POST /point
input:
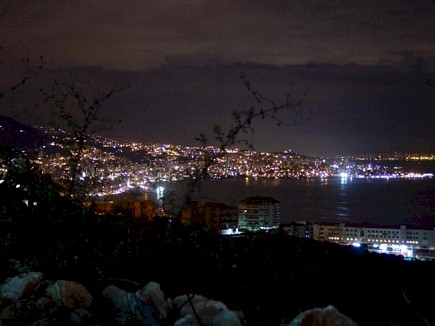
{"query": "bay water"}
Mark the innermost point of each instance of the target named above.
(376, 201)
(334, 199)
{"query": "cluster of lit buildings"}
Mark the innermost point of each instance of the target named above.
(262, 214)
(397, 239)
(252, 214)
(370, 170)
(396, 156)
(115, 167)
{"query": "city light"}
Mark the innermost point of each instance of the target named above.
(168, 163)
(160, 192)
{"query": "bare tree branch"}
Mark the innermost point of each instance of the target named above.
(264, 109)
(82, 116)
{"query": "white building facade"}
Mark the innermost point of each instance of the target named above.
(396, 239)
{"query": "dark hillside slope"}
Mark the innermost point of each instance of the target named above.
(20, 136)
(270, 278)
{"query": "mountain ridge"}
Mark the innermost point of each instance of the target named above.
(20, 136)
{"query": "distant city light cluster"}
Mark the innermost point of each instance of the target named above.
(116, 167)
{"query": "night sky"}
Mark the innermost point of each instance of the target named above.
(368, 66)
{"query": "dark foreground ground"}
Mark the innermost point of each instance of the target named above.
(270, 278)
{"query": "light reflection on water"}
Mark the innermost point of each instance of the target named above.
(333, 199)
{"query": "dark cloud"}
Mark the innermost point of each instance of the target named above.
(137, 35)
(365, 63)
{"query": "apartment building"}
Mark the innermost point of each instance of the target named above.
(258, 213)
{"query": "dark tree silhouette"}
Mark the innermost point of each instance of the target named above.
(82, 115)
(262, 108)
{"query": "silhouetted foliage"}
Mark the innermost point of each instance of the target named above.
(262, 108)
(82, 115)
(27, 196)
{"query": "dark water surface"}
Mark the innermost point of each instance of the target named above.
(377, 201)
